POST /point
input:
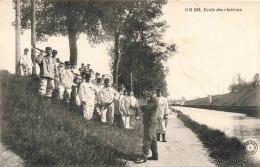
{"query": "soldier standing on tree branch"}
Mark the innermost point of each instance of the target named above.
(149, 137)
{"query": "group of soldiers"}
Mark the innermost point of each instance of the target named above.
(95, 94)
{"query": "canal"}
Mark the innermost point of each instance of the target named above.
(232, 124)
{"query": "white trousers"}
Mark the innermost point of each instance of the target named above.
(107, 115)
(78, 101)
(160, 126)
(46, 86)
(126, 120)
(98, 110)
(88, 111)
(62, 90)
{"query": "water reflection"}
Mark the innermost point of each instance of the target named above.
(233, 124)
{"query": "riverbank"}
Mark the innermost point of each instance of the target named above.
(246, 102)
(227, 151)
(45, 131)
(247, 97)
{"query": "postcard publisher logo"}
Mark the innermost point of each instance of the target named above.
(250, 147)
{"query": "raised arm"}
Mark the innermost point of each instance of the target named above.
(39, 58)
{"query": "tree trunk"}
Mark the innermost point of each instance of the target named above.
(116, 59)
(33, 36)
(72, 32)
(73, 47)
(131, 81)
(17, 33)
(140, 90)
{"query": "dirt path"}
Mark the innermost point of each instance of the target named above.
(182, 149)
(8, 158)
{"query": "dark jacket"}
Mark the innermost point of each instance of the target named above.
(47, 66)
(149, 111)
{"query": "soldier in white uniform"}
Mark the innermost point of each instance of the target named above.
(106, 98)
(99, 86)
(65, 81)
(25, 63)
(161, 115)
(87, 92)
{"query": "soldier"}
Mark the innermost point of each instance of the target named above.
(97, 76)
(48, 71)
(81, 69)
(54, 54)
(134, 109)
(103, 78)
(99, 87)
(124, 108)
(65, 81)
(92, 73)
(161, 115)
(87, 92)
(56, 78)
(25, 63)
(149, 137)
(106, 98)
(75, 89)
(119, 109)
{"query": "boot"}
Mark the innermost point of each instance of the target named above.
(153, 157)
(164, 139)
(142, 159)
(158, 136)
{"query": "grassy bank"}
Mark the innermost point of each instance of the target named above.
(49, 132)
(227, 151)
(247, 97)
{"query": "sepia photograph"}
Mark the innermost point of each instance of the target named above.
(129, 83)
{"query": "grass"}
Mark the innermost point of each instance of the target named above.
(49, 132)
(247, 97)
(227, 151)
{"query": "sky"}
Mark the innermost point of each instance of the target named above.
(212, 46)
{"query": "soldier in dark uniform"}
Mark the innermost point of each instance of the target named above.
(149, 121)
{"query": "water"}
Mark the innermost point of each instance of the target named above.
(232, 124)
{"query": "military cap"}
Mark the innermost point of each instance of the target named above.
(61, 64)
(48, 48)
(54, 51)
(67, 63)
(87, 76)
(99, 80)
(106, 80)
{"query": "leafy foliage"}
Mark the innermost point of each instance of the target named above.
(66, 18)
(141, 48)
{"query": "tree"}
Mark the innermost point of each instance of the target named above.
(67, 18)
(114, 18)
(143, 48)
(133, 25)
(17, 34)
